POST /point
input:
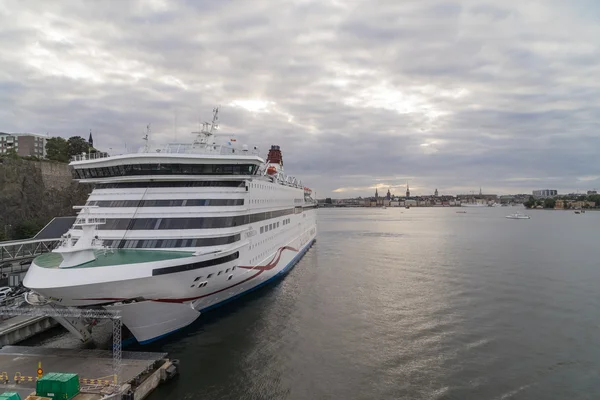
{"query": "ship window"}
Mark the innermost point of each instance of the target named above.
(191, 223)
(230, 276)
(220, 272)
(209, 276)
(234, 267)
(262, 228)
(227, 270)
(143, 185)
(197, 279)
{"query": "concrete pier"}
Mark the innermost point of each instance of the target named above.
(16, 329)
(141, 371)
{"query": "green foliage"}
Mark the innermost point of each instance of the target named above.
(595, 198)
(27, 229)
(549, 203)
(57, 149)
(530, 203)
(11, 153)
(77, 145)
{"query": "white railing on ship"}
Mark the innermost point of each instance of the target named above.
(90, 156)
(178, 149)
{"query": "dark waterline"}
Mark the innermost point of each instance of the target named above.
(411, 304)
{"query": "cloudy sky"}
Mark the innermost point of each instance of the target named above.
(451, 95)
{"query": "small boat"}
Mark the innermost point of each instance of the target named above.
(577, 212)
(384, 207)
(518, 216)
(461, 212)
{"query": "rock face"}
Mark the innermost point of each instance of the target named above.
(37, 191)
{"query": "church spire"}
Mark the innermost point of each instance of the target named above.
(407, 191)
(376, 194)
(91, 140)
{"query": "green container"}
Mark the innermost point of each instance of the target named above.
(10, 396)
(56, 385)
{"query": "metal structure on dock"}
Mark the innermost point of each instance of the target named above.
(23, 249)
(72, 312)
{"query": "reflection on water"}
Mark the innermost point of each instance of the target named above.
(418, 304)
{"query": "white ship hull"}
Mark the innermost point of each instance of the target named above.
(170, 302)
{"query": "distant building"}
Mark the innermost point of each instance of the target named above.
(25, 144)
(545, 193)
(435, 193)
(590, 192)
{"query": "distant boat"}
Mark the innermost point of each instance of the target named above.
(518, 216)
(461, 212)
(407, 207)
(577, 212)
(473, 205)
(384, 207)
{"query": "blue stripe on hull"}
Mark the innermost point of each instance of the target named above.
(280, 274)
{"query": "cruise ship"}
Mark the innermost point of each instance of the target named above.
(172, 231)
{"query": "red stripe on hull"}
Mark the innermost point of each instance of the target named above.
(260, 269)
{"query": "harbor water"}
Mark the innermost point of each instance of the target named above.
(425, 303)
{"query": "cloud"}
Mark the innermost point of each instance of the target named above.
(448, 95)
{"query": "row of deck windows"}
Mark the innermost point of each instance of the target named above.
(170, 243)
(167, 203)
(190, 223)
(269, 227)
(168, 184)
(164, 169)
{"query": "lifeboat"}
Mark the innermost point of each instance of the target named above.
(271, 170)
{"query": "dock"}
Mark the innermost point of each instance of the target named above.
(16, 329)
(141, 372)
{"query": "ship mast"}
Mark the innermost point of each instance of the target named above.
(207, 129)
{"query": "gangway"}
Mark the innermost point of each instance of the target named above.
(22, 249)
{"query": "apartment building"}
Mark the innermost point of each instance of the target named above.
(25, 144)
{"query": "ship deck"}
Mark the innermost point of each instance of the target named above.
(114, 257)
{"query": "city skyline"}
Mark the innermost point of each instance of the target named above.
(447, 95)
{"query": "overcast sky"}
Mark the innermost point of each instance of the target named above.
(451, 95)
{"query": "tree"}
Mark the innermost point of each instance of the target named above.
(11, 153)
(530, 203)
(56, 149)
(27, 229)
(549, 203)
(77, 145)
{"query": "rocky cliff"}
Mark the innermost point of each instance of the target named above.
(37, 191)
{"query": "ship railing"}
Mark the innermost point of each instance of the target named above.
(90, 156)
